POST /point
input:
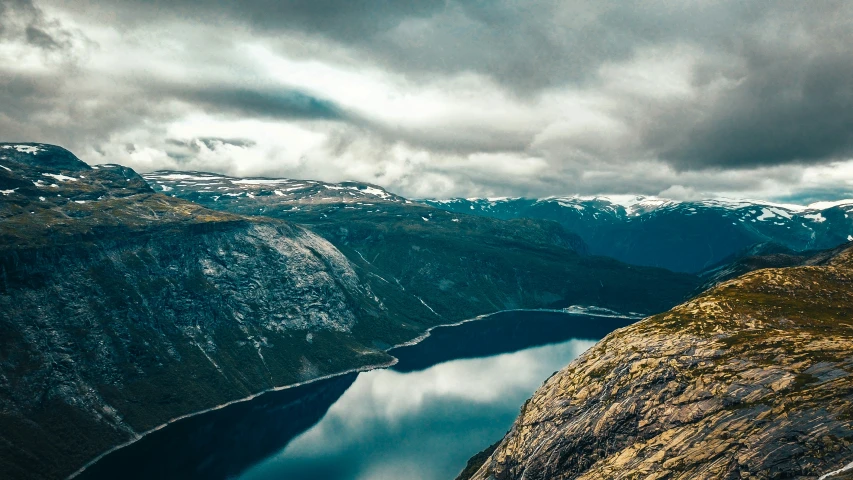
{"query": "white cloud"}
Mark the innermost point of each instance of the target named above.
(606, 115)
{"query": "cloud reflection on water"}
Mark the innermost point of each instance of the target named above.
(420, 425)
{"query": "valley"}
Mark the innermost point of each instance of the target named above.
(131, 301)
(443, 397)
(125, 308)
(432, 240)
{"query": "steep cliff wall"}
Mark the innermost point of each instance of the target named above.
(122, 308)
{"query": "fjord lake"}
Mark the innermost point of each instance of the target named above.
(448, 397)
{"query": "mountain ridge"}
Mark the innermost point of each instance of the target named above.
(361, 223)
(123, 308)
(647, 203)
(679, 236)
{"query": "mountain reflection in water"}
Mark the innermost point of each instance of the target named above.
(451, 395)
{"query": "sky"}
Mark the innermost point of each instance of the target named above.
(447, 98)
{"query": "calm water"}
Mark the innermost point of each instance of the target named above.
(450, 396)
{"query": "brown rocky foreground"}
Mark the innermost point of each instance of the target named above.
(750, 380)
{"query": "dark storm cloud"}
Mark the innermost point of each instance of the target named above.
(37, 36)
(520, 44)
(52, 107)
(30, 96)
(798, 112)
(22, 20)
(350, 20)
(526, 45)
(793, 101)
(277, 103)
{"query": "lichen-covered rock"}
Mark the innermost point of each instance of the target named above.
(753, 379)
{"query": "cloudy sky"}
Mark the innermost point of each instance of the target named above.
(446, 98)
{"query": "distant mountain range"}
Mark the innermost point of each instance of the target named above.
(679, 236)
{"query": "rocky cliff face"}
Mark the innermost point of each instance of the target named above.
(122, 308)
(753, 379)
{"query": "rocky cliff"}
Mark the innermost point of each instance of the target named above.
(123, 308)
(752, 379)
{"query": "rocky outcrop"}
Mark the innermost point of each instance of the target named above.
(753, 379)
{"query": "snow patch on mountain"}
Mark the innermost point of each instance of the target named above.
(275, 190)
(768, 213)
(61, 178)
(640, 204)
(31, 149)
(817, 217)
(826, 205)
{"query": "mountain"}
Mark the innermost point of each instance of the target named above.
(124, 307)
(762, 255)
(752, 379)
(457, 265)
(679, 236)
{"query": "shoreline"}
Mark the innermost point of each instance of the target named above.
(140, 436)
(571, 310)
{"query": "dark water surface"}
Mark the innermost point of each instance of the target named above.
(450, 396)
